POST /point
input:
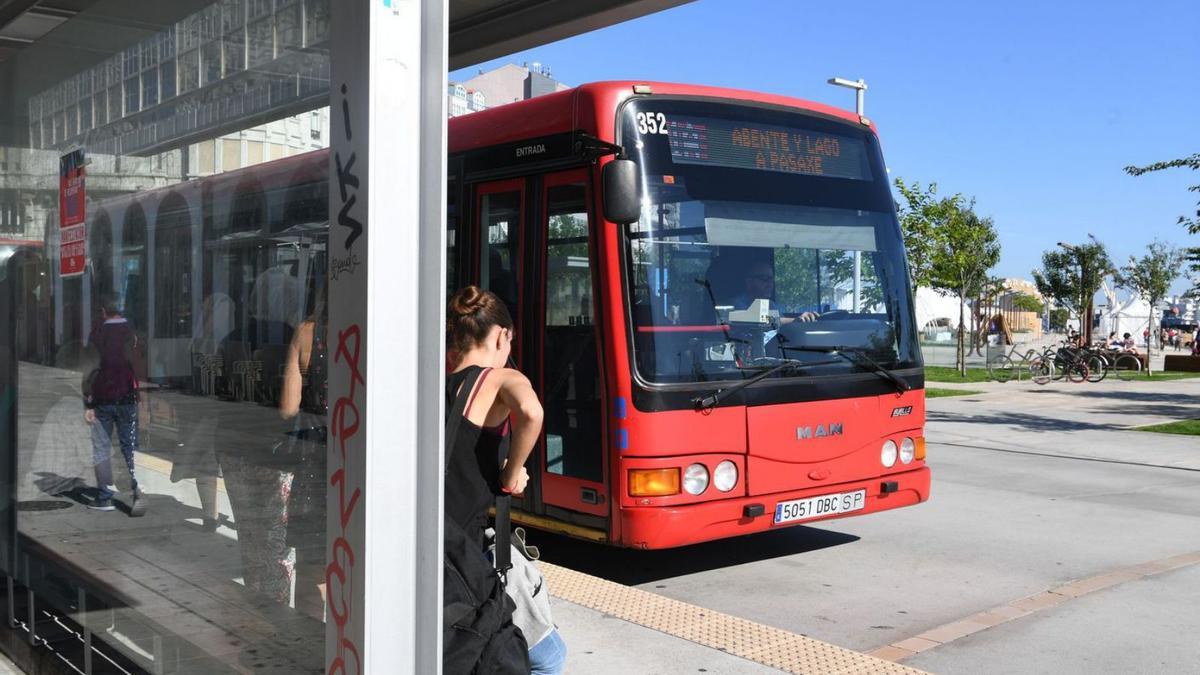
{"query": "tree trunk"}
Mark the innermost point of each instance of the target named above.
(961, 353)
(1150, 339)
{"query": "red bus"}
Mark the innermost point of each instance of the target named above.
(710, 288)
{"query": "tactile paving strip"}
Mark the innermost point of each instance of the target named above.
(772, 647)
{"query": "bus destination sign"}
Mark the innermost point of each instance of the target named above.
(765, 147)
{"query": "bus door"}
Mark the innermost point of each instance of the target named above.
(499, 262)
(571, 460)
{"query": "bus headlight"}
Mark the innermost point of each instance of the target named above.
(888, 455)
(908, 449)
(725, 476)
(695, 479)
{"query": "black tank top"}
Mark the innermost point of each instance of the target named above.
(473, 469)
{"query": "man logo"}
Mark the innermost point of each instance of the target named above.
(901, 412)
(822, 431)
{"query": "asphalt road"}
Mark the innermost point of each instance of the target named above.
(1033, 488)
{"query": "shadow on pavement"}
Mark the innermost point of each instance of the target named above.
(1021, 420)
(72, 488)
(1148, 396)
(629, 566)
(1174, 411)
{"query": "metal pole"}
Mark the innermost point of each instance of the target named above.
(87, 631)
(859, 96)
(858, 277)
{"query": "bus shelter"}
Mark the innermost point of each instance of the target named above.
(157, 177)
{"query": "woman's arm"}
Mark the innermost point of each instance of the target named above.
(293, 382)
(526, 413)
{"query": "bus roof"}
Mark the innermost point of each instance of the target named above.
(592, 107)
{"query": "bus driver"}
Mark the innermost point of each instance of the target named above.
(759, 283)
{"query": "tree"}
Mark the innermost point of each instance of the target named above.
(1150, 277)
(1059, 316)
(838, 266)
(967, 246)
(1071, 278)
(1024, 302)
(1192, 254)
(923, 216)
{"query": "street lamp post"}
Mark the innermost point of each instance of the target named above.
(1085, 328)
(860, 87)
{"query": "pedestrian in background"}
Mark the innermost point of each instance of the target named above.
(110, 396)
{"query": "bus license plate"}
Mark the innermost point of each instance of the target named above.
(815, 507)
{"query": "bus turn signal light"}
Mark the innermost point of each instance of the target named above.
(653, 482)
(920, 453)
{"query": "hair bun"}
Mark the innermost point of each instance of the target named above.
(468, 301)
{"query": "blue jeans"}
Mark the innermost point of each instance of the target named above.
(548, 656)
(125, 419)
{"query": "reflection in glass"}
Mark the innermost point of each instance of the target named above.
(212, 258)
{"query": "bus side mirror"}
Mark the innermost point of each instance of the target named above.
(622, 191)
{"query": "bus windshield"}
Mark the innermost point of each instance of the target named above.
(765, 235)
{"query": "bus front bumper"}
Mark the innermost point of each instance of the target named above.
(670, 526)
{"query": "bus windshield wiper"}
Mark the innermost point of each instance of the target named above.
(710, 401)
(857, 356)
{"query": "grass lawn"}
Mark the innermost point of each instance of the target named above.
(1185, 427)
(947, 374)
(1162, 376)
(934, 392)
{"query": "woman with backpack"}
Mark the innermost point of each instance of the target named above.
(495, 434)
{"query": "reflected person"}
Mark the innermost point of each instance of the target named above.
(110, 395)
(196, 459)
(304, 400)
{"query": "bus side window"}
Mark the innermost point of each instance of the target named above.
(571, 380)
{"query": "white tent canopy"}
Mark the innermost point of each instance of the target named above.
(935, 312)
(1131, 316)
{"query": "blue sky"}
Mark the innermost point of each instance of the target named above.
(1033, 108)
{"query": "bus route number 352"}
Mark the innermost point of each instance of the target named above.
(824, 505)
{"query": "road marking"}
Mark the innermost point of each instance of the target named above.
(936, 637)
(766, 645)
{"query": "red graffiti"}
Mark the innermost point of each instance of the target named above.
(344, 424)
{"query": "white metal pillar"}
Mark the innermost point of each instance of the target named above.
(386, 319)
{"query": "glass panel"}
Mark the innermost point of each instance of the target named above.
(150, 88)
(570, 366)
(210, 62)
(167, 328)
(262, 41)
(189, 71)
(500, 215)
(167, 78)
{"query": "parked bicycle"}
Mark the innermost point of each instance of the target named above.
(1002, 367)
